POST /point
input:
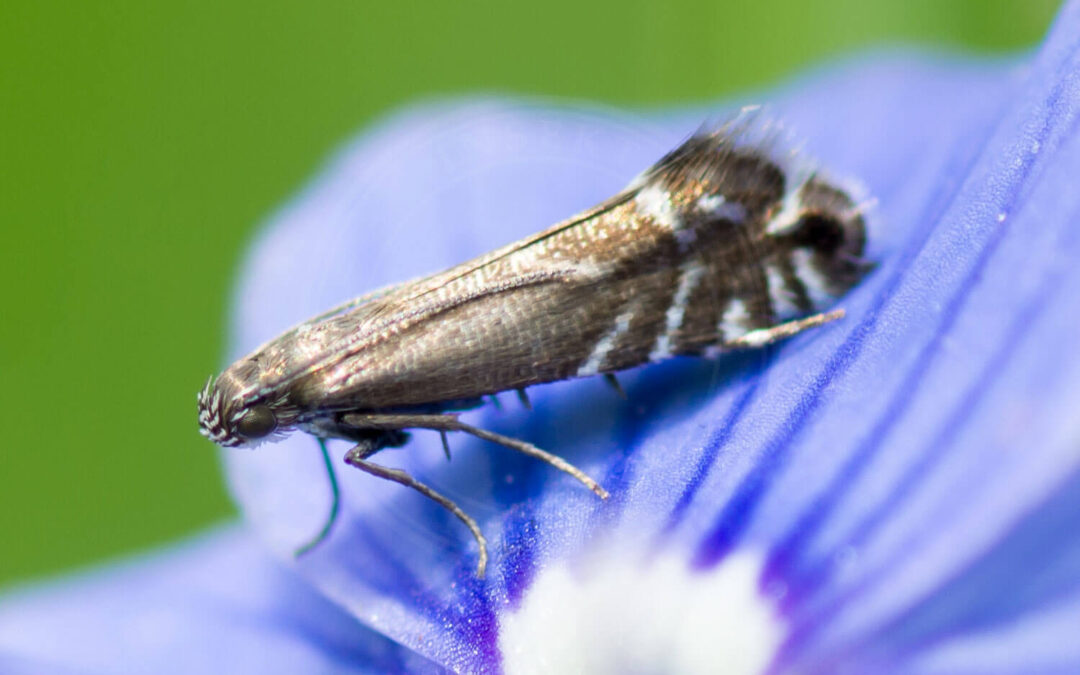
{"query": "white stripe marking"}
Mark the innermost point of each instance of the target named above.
(690, 275)
(654, 202)
(784, 305)
(711, 203)
(812, 279)
(790, 211)
(733, 323)
(718, 207)
(756, 338)
(600, 351)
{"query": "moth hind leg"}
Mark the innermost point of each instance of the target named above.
(450, 422)
(376, 424)
(358, 457)
(533, 451)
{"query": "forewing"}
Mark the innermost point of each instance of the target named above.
(651, 273)
(681, 261)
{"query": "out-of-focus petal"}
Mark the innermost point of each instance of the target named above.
(217, 604)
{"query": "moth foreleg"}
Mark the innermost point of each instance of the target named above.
(767, 336)
(449, 422)
(358, 457)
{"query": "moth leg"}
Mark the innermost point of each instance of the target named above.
(532, 451)
(767, 336)
(358, 457)
(614, 383)
(524, 398)
(445, 444)
(447, 422)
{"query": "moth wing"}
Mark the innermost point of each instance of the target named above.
(343, 331)
(678, 262)
(589, 295)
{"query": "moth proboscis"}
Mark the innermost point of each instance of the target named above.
(722, 244)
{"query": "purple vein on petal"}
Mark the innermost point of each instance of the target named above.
(778, 566)
(962, 604)
(522, 536)
(529, 477)
(737, 514)
(1011, 344)
(619, 475)
(936, 450)
(816, 515)
(520, 543)
(1019, 328)
(717, 440)
(518, 500)
(818, 577)
(905, 394)
(470, 619)
(1034, 543)
(616, 480)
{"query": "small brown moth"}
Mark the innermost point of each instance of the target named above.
(720, 245)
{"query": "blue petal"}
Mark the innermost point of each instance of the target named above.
(216, 604)
(893, 471)
(899, 490)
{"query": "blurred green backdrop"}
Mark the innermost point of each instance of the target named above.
(141, 143)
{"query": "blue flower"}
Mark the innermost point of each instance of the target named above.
(897, 490)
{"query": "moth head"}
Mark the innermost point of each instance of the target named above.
(824, 231)
(230, 422)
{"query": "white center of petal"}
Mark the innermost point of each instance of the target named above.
(627, 615)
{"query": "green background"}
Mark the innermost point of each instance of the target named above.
(141, 143)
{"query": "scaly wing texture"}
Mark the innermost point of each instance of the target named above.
(682, 261)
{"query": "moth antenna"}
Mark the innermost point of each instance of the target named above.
(357, 457)
(524, 398)
(614, 383)
(335, 505)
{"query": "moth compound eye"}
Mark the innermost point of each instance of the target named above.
(257, 422)
(831, 224)
(820, 233)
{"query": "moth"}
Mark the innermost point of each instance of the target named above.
(725, 243)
